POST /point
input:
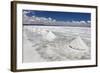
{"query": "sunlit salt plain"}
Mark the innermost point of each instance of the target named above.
(56, 43)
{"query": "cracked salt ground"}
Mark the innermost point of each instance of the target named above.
(59, 47)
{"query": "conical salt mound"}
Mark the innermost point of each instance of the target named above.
(50, 36)
(78, 44)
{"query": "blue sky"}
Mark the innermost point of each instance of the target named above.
(60, 16)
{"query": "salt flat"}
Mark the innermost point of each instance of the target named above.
(52, 43)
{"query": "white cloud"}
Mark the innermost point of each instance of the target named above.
(25, 12)
(89, 22)
(75, 22)
(83, 22)
(50, 19)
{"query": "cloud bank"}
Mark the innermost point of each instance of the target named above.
(50, 21)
